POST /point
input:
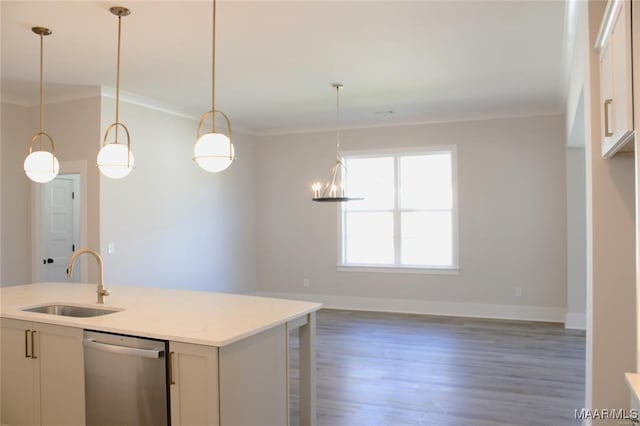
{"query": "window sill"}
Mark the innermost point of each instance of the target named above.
(448, 270)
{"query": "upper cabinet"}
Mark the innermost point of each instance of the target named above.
(616, 88)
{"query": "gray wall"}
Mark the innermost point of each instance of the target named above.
(16, 196)
(172, 224)
(576, 239)
(512, 197)
(74, 126)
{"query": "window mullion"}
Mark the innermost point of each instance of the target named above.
(396, 211)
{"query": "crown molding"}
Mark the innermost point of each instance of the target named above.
(84, 92)
(52, 96)
(551, 112)
(165, 107)
(147, 102)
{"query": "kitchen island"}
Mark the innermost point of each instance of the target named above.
(228, 359)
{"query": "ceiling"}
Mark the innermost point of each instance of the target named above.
(276, 60)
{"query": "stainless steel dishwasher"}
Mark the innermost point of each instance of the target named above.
(125, 380)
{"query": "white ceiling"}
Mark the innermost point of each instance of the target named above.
(276, 60)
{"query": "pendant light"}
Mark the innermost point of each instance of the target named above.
(213, 151)
(41, 166)
(115, 160)
(334, 188)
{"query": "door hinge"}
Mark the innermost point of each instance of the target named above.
(73, 195)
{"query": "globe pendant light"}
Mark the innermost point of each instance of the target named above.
(213, 151)
(115, 160)
(334, 188)
(41, 166)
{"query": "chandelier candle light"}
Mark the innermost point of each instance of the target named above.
(213, 151)
(41, 166)
(334, 189)
(115, 160)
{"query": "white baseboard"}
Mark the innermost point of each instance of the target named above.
(425, 307)
(575, 321)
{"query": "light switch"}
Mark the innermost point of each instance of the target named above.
(111, 248)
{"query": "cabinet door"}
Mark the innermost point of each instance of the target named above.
(253, 380)
(622, 86)
(18, 373)
(193, 378)
(61, 374)
(616, 80)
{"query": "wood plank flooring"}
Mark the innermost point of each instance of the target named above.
(393, 369)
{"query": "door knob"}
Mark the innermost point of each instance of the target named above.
(49, 260)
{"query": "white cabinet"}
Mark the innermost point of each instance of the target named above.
(42, 381)
(253, 380)
(193, 384)
(241, 384)
(616, 89)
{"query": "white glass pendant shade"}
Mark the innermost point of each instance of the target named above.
(213, 152)
(41, 166)
(112, 160)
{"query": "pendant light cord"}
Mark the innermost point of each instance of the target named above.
(118, 77)
(213, 67)
(41, 88)
(338, 121)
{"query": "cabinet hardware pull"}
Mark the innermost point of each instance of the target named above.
(123, 350)
(26, 343)
(33, 345)
(607, 102)
(171, 381)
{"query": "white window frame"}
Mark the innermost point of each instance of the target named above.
(398, 268)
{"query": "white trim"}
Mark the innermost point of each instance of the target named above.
(455, 222)
(69, 94)
(66, 167)
(608, 21)
(382, 152)
(549, 112)
(627, 137)
(37, 274)
(150, 103)
(429, 307)
(432, 270)
(575, 321)
(77, 223)
(154, 104)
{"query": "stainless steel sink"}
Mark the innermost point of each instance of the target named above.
(70, 310)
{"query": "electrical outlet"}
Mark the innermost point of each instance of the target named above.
(306, 282)
(518, 291)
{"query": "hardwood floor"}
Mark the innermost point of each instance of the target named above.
(393, 369)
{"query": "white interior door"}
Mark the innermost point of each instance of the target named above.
(59, 227)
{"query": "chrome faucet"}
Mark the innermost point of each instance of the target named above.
(101, 290)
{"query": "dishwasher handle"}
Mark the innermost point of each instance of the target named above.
(123, 350)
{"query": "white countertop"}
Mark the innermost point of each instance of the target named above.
(206, 318)
(633, 381)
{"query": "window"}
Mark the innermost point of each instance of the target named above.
(408, 218)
